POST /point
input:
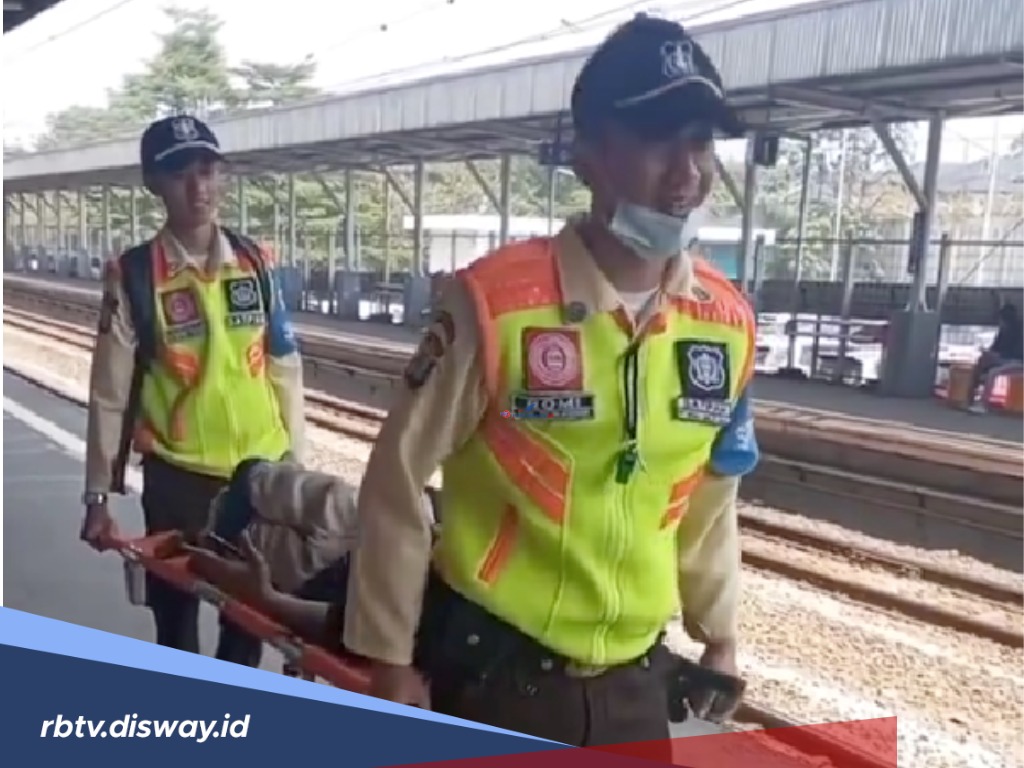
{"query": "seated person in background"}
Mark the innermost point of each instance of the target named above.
(279, 537)
(1004, 356)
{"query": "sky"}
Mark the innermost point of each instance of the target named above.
(68, 55)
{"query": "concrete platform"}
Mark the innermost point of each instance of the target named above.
(932, 415)
(47, 570)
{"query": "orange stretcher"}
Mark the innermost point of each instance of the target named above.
(163, 556)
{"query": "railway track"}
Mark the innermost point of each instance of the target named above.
(361, 422)
(984, 468)
(930, 489)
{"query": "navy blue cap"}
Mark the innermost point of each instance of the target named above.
(172, 142)
(651, 78)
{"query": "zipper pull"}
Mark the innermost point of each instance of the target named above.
(626, 464)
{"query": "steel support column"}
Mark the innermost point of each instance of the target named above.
(243, 207)
(912, 340)
(919, 292)
(133, 214)
(108, 244)
(332, 236)
(292, 214)
(744, 267)
(83, 233)
(22, 234)
(351, 253)
(58, 214)
(552, 184)
(9, 242)
(504, 197)
(41, 219)
(418, 180)
(801, 220)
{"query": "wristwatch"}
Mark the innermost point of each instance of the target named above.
(92, 498)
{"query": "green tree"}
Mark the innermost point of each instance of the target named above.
(190, 72)
(274, 84)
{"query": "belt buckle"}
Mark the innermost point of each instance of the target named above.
(572, 669)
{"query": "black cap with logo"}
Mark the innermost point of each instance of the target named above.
(173, 142)
(651, 78)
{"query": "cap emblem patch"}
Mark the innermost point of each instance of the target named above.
(677, 59)
(184, 129)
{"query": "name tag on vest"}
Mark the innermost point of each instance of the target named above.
(705, 382)
(553, 377)
(242, 295)
(553, 406)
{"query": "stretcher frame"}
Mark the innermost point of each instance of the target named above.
(161, 555)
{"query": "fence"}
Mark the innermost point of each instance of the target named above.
(971, 262)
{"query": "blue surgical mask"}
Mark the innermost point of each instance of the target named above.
(651, 234)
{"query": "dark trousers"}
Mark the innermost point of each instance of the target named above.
(482, 669)
(625, 705)
(175, 499)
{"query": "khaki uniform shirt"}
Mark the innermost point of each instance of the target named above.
(113, 362)
(430, 423)
(303, 521)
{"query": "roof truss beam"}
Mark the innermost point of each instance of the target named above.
(869, 107)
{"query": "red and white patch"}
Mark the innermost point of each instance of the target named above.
(554, 360)
(180, 307)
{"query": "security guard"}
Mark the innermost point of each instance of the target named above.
(195, 364)
(572, 390)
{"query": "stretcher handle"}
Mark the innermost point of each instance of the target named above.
(161, 555)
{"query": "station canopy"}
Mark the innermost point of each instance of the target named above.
(17, 12)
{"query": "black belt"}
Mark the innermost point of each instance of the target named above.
(459, 635)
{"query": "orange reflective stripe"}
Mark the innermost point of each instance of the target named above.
(490, 346)
(184, 365)
(501, 547)
(519, 276)
(177, 416)
(161, 269)
(530, 466)
(679, 499)
(255, 357)
(513, 278)
(162, 265)
(186, 368)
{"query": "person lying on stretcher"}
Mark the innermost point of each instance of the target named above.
(279, 537)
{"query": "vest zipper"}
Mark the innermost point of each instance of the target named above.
(629, 456)
(626, 465)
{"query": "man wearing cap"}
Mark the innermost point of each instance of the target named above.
(585, 396)
(195, 366)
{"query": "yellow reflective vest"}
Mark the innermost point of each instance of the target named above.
(561, 511)
(206, 402)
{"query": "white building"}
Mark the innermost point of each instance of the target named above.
(452, 242)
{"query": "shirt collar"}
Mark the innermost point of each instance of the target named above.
(586, 289)
(178, 258)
